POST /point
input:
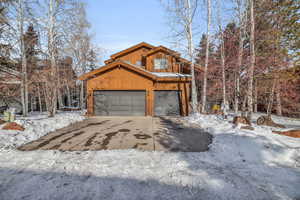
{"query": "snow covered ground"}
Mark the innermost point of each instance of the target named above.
(241, 164)
(36, 126)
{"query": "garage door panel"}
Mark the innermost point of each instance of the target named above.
(167, 103)
(119, 103)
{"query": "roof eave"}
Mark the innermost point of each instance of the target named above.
(142, 44)
(118, 63)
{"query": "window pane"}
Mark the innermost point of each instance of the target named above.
(139, 63)
(160, 63)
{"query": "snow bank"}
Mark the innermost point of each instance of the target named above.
(268, 158)
(260, 146)
(36, 126)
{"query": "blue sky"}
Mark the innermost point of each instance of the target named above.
(119, 24)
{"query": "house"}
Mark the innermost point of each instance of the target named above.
(142, 80)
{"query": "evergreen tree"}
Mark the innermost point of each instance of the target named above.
(30, 42)
(91, 60)
(201, 49)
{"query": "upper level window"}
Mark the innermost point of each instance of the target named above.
(139, 63)
(160, 63)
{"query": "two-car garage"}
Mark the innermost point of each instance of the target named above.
(121, 89)
(133, 103)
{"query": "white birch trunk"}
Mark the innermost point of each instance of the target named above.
(32, 99)
(24, 87)
(237, 94)
(238, 73)
(278, 100)
(271, 99)
(68, 95)
(82, 95)
(206, 57)
(46, 98)
(252, 61)
(191, 54)
(244, 112)
(255, 96)
(222, 54)
(40, 99)
(53, 85)
(60, 98)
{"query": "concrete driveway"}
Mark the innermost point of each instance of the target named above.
(144, 133)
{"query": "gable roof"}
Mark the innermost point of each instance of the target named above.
(133, 48)
(137, 69)
(164, 49)
(118, 63)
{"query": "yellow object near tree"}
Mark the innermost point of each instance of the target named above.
(216, 107)
(8, 116)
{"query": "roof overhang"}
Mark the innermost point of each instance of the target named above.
(133, 48)
(133, 68)
(163, 49)
(110, 66)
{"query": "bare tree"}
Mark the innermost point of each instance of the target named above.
(221, 39)
(242, 32)
(24, 86)
(189, 34)
(80, 45)
(52, 83)
(206, 57)
(182, 15)
(252, 61)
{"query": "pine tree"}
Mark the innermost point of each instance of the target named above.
(201, 49)
(91, 60)
(30, 42)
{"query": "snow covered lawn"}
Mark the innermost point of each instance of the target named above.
(241, 164)
(36, 126)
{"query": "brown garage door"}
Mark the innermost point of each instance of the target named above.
(166, 103)
(119, 103)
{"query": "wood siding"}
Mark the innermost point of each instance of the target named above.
(121, 78)
(134, 57)
(173, 66)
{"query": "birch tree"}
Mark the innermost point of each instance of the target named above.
(182, 14)
(271, 98)
(18, 18)
(206, 57)
(53, 22)
(221, 39)
(19, 7)
(20, 4)
(278, 100)
(51, 85)
(242, 32)
(189, 35)
(79, 45)
(252, 61)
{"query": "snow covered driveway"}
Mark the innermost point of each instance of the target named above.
(106, 133)
(240, 164)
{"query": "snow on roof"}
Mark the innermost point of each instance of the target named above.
(168, 74)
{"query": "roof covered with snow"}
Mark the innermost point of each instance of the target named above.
(169, 74)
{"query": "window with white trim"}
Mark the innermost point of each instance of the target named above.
(160, 63)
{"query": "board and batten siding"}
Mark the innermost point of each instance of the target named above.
(120, 78)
